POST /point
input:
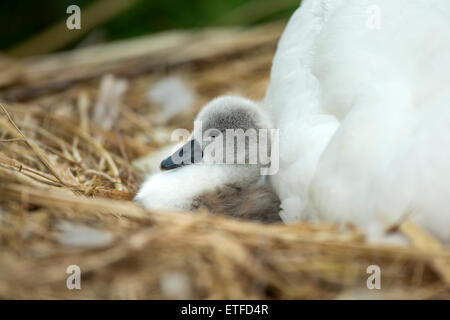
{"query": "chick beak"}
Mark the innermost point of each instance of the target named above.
(189, 153)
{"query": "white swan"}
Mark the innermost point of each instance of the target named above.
(360, 91)
(366, 110)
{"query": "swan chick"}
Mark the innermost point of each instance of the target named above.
(213, 171)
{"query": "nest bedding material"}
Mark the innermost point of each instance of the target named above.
(67, 178)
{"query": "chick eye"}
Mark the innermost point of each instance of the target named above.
(214, 134)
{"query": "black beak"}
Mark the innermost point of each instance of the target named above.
(190, 153)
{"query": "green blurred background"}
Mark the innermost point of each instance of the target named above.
(22, 20)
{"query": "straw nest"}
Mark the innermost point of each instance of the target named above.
(69, 169)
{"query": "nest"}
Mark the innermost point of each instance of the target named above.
(69, 170)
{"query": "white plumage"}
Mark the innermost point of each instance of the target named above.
(364, 113)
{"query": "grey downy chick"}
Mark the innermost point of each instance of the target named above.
(213, 170)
